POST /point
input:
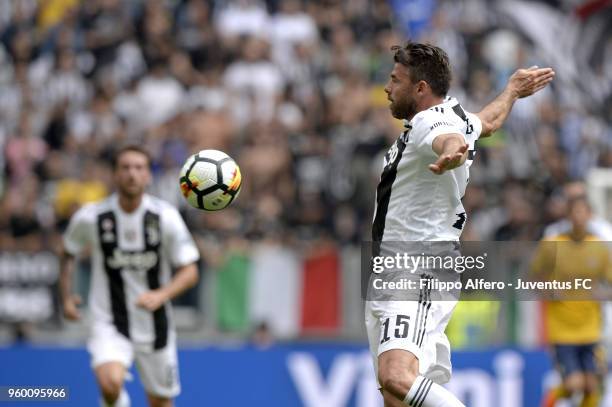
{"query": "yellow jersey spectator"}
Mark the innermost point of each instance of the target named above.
(574, 325)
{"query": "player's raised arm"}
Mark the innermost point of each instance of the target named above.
(522, 83)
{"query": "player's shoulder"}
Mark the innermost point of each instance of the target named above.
(441, 115)
(88, 212)
(161, 207)
(431, 115)
(427, 121)
(566, 237)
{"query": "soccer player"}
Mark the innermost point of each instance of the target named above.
(574, 327)
(135, 239)
(419, 199)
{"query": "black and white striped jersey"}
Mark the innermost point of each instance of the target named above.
(131, 253)
(412, 203)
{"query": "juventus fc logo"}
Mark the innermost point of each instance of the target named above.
(107, 235)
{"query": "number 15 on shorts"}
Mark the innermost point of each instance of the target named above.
(397, 326)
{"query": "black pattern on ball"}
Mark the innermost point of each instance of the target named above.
(219, 184)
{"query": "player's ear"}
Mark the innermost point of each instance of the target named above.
(422, 87)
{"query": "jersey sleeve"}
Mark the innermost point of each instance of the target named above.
(476, 125)
(180, 247)
(427, 126)
(80, 231)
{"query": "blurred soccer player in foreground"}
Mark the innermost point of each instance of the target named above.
(575, 327)
(134, 240)
(419, 199)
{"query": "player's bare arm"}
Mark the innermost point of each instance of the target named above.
(184, 278)
(452, 152)
(70, 301)
(522, 83)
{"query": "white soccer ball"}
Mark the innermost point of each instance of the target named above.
(210, 180)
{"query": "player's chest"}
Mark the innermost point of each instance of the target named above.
(400, 157)
(578, 261)
(127, 233)
(131, 235)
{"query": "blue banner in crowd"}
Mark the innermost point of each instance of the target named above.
(413, 16)
(313, 375)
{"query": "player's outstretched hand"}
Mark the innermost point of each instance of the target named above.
(71, 310)
(450, 161)
(151, 300)
(526, 82)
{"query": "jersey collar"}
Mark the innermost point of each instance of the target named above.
(137, 212)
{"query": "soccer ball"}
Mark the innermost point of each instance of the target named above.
(210, 180)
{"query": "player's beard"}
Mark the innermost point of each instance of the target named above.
(403, 109)
(131, 191)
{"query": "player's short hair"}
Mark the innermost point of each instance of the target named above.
(130, 148)
(426, 63)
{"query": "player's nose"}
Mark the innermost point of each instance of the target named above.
(133, 173)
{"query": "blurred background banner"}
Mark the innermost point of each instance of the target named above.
(311, 375)
(28, 287)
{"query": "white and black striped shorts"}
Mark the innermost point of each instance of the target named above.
(415, 326)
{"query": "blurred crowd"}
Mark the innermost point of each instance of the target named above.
(293, 90)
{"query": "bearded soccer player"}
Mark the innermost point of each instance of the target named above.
(418, 199)
(135, 240)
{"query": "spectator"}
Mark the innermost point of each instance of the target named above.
(254, 82)
(242, 18)
(159, 94)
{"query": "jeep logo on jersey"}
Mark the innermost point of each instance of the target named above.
(140, 261)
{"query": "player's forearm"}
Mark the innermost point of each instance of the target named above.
(65, 278)
(495, 113)
(185, 278)
(448, 144)
(451, 145)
